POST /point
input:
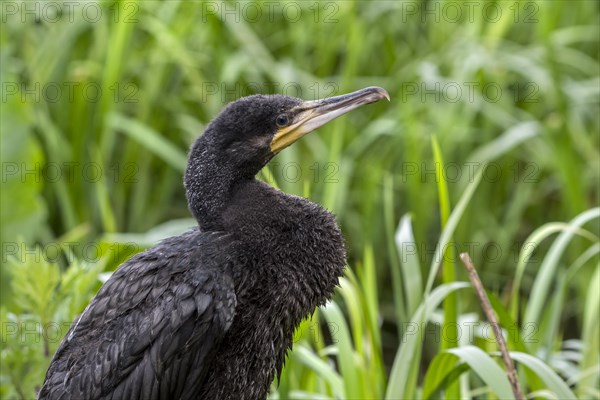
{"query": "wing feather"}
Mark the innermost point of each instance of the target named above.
(153, 328)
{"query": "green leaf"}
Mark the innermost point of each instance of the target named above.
(342, 338)
(408, 355)
(511, 138)
(527, 250)
(395, 253)
(411, 267)
(323, 369)
(453, 221)
(150, 139)
(479, 362)
(590, 334)
(547, 271)
(155, 235)
(23, 212)
(550, 378)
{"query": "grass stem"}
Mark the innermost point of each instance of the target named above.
(489, 313)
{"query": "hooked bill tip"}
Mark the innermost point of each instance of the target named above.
(381, 91)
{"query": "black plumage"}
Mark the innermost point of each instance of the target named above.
(210, 314)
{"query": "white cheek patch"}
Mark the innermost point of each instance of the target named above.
(253, 143)
(259, 142)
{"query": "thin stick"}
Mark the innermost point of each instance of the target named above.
(489, 313)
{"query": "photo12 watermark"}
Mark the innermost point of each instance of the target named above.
(467, 332)
(488, 252)
(294, 172)
(270, 11)
(50, 12)
(68, 172)
(453, 172)
(69, 92)
(68, 251)
(467, 92)
(455, 12)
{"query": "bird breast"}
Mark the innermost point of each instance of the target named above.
(293, 248)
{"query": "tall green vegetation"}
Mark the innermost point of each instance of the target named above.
(490, 145)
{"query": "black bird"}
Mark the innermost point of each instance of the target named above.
(210, 314)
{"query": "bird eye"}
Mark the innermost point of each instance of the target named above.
(282, 120)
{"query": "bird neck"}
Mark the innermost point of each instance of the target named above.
(209, 181)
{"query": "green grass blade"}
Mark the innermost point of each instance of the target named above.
(444, 367)
(527, 250)
(411, 267)
(323, 369)
(448, 265)
(372, 355)
(582, 260)
(395, 254)
(352, 299)
(109, 222)
(487, 369)
(115, 58)
(402, 381)
(590, 334)
(153, 236)
(479, 362)
(545, 276)
(550, 378)
(339, 331)
(513, 137)
(453, 221)
(403, 377)
(150, 139)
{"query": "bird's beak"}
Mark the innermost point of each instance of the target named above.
(310, 115)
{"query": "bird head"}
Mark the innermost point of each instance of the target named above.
(248, 133)
(252, 130)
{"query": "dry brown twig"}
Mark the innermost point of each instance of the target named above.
(489, 313)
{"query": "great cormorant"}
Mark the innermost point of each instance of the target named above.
(210, 314)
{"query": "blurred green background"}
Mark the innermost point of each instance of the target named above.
(489, 145)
